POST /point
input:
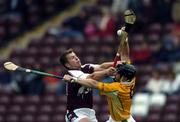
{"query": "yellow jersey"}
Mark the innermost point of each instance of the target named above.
(119, 97)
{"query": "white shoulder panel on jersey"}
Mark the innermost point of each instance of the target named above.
(78, 73)
(92, 65)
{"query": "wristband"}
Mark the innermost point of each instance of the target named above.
(73, 80)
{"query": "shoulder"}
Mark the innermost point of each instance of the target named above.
(88, 68)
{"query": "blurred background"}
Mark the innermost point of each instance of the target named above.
(33, 34)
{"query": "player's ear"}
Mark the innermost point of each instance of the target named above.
(67, 65)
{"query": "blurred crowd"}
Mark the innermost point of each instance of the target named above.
(154, 41)
(19, 16)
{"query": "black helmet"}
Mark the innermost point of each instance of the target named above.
(126, 70)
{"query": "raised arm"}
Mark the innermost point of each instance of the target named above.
(123, 49)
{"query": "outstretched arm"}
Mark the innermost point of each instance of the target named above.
(92, 79)
(85, 82)
(105, 87)
(99, 75)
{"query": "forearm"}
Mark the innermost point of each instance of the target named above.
(98, 75)
(103, 66)
(125, 51)
(87, 83)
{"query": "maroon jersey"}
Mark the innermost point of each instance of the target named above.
(79, 96)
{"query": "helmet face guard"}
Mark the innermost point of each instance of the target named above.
(126, 70)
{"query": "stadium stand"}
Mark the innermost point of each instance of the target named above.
(18, 16)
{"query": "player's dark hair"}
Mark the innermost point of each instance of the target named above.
(63, 58)
(126, 70)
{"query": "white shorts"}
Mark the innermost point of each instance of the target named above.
(79, 114)
(131, 119)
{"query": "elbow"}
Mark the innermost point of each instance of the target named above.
(93, 84)
(88, 83)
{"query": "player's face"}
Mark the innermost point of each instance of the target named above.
(119, 78)
(73, 61)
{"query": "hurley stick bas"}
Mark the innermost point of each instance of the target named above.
(13, 67)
